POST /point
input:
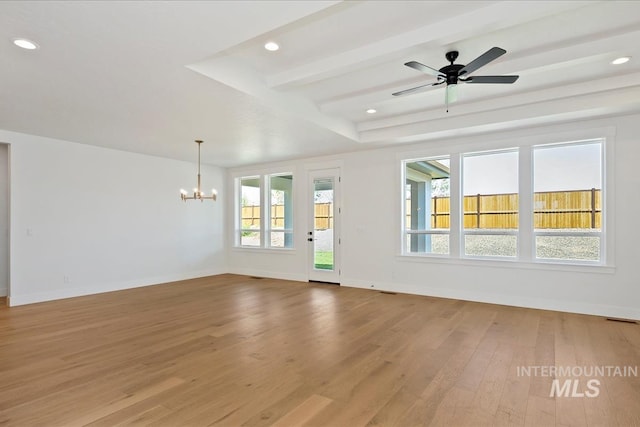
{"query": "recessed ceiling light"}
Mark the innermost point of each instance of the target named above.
(621, 60)
(25, 44)
(372, 111)
(271, 46)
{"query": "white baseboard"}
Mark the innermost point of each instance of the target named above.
(500, 299)
(465, 295)
(16, 300)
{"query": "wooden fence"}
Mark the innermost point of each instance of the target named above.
(554, 209)
(251, 216)
(323, 213)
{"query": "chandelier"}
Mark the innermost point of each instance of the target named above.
(198, 194)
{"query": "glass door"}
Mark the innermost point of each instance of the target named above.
(323, 238)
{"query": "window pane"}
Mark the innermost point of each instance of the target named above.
(567, 185)
(427, 204)
(490, 188)
(281, 213)
(323, 219)
(586, 248)
(250, 211)
(427, 243)
(250, 238)
(490, 245)
(568, 199)
(280, 239)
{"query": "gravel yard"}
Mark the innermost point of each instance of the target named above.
(547, 247)
(579, 248)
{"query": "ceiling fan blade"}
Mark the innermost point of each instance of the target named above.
(424, 69)
(491, 79)
(482, 60)
(416, 89)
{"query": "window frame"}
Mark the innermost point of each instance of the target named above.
(600, 234)
(240, 229)
(428, 231)
(526, 256)
(266, 218)
(269, 229)
(487, 231)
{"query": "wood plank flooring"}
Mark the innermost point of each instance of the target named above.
(238, 351)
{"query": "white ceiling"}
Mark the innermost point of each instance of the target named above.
(150, 77)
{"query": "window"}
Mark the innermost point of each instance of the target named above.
(266, 211)
(490, 204)
(426, 218)
(529, 203)
(567, 201)
(250, 211)
(281, 219)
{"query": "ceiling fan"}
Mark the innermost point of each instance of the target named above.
(452, 74)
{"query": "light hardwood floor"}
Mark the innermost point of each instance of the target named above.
(233, 350)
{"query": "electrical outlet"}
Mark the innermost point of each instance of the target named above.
(66, 279)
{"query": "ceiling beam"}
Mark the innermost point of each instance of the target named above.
(597, 104)
(495, 16)
(546, 58)
(247, 80)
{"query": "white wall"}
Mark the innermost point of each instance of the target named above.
(4, 219)
(87, 220)
(107, 220)
(371, 243)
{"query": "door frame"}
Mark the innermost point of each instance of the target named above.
(314, 274)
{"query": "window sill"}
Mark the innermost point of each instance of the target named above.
(510, 263)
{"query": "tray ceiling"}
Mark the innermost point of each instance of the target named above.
(150, 77)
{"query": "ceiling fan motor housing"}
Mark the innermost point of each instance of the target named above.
(451, 71)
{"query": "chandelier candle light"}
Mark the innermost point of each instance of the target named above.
(198, 194)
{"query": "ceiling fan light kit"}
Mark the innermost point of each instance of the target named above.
(198, 194)
(453, 74)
